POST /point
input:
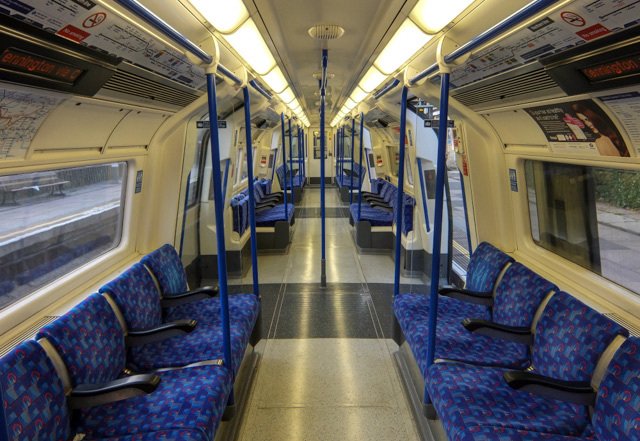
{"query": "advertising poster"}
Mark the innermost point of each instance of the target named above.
(579, 127)
(626, 107)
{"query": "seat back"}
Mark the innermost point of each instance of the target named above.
(166, 265)
(137, 296)
(35, 407)
(518, 296)
(617, 411)
(570, 337)
(486, 264)
(90, 341)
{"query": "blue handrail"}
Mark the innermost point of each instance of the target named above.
(219, 214)
(361, 152)
(386, 89)
(425, 208)
(227, 73)
(284, 167)
(437, 223)
(514, 19)
(400, 196)
(261, 90)
(323, 91)
(353, 141)
(290, 163)
(252, 198)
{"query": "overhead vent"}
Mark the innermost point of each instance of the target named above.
(509, 88)
(326, 32)
(378, 118)
(150, 90)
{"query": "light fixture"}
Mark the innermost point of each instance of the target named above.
(358, 95)
(248, 42)
(275, 80)
(372, 79)
(224, 15)
(287, 95)
(407, 40)
(350, 104)
(431, 16)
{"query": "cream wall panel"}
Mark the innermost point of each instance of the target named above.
(517, 127)
(136, 129)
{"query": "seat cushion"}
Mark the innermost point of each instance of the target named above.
(375, 216)
(268, 218)
(160, 435)
(203, 343)
(243, 311)
(467, 396)
(496, 433)
(191, 399)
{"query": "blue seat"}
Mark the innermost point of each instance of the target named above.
(166, 266)
(515, 303)
(91, 342)
(268, 217)
(298, 180)
(138, 299)
(568, 341)
(240, 213)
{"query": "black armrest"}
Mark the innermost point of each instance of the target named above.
(269, 198)
(261, 209)
(380, 204)
(490, 329)
(578, 392)
(383, 207)
(162, 332)
(90, 395)
(206, 292)
(465, 295)
(374, 198)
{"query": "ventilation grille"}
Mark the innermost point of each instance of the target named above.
(135, 85)
(508, 89)
(326, 32)
(633, 328)
(27, 334)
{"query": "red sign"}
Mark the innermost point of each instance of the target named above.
(72, 33)
(573, 19)
(613, 69)
(94, 20)
(22, 61)
(593, 32)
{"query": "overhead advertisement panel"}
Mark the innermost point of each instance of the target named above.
(573, 25)
(580, 127)
(21, 115)
(84, 22)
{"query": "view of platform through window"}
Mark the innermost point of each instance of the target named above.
(588, 215)
(54, 222)
(460, 246)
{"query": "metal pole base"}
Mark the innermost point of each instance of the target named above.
(323, 274)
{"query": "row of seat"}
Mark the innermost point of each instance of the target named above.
(517, 359)
(270, 207)
(298, 178)
(142, 359)
(378, 207)
(344, 178)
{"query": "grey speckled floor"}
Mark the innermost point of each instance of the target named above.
(326, 371)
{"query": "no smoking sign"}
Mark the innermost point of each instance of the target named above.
(94, 20)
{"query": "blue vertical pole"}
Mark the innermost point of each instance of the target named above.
(284, 163)
(437, 226)
(353, 149)
(252, 198)
(184, 213)
(325, 62)
(425, 207)
(219, 213)
(361, 168)
(291, 162)
(400, 199)
(466, 215)
(304, 155)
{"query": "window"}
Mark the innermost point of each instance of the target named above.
(54, 222)
(588, 215)
(460, 231)
(197, 169)
(407, 169)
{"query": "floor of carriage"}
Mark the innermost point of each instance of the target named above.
(326, 369)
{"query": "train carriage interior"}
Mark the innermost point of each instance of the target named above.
(320, 220)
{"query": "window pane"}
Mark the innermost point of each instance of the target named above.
(54, 222)
(197, 168)
(589, 216)
(460, 252)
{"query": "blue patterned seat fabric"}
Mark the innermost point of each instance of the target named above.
(485, 266)
(379, 217)
(298, 181)
(166, 266)
(569, 339)
(269, 217)
(344, 180)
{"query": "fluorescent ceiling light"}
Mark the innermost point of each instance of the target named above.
(407, 40)
(224, 15)
(372, 79)
(275, 80)
(432, 15)
(296, 109)
(358, 95)
(287, 96)
(248, 42)
(350, 104)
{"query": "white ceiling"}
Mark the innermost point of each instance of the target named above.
(368, 25)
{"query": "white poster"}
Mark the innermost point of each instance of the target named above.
(626, 107)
